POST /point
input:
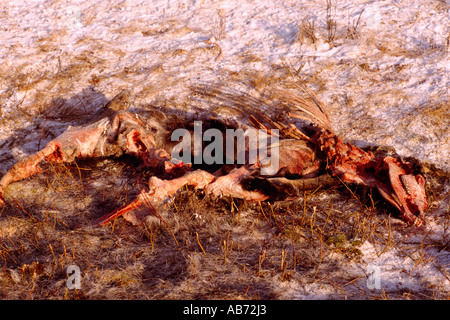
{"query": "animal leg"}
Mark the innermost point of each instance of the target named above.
(123, 133)
(394, 178)
(231, 185)
(296, 158)
(74, 142)
(159, 190)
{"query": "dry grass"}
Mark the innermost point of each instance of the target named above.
(332, 32)
(307, 31)
(198, 247)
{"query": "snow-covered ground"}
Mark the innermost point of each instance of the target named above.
(381, 68)
(384, 76)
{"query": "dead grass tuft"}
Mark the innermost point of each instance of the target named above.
(306, 31)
